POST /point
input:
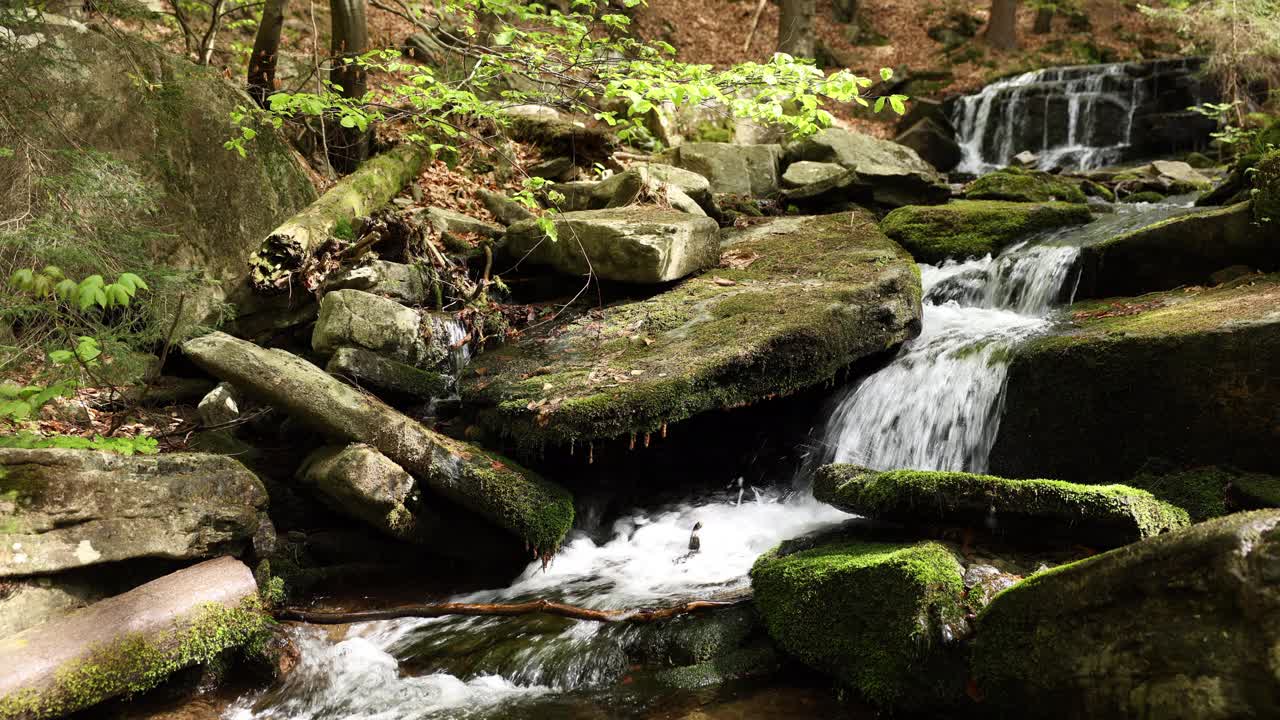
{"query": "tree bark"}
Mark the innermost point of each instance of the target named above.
(347, 147)
(266, 48)
(513, 498)
(373, 185)
(547, 607)
(795, 28)
(1044, 21)
(1002, 27)
(845, 11)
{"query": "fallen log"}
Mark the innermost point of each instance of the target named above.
(131, 642)
(544, 607)
(371, 186)
(538, 511)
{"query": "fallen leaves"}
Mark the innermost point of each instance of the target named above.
(1117, 309)
(738, 258)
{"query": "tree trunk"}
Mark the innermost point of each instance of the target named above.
(266, 47)
(1002, 27)
(1044, 21)
(795, 28)
(845, 11)
(347, 147)
(377, 181)
(535, 510)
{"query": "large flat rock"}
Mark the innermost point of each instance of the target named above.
(974, 228)
(795, 301)
(895, 174)
(1192, 376)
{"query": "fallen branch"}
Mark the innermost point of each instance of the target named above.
(533, 607)
(755, 22)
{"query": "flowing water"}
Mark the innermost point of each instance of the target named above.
(936, 405)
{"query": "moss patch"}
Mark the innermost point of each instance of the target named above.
(872, 615)
(973, 228)
(1040, 510)
(1022, 185)
(815, 295)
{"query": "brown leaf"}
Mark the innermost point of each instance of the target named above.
(724, 282)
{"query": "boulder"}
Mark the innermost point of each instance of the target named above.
(559, 135)
(506, 210)
(65, 509)
(974, 228)
(455, 223)
(831, 193)
(1021, 185)
(895, 173)
(632, 244)
(556, 168)
(1027, 511)
(933, 143)
(412, 284)
(354, 318)
(806, 172)
(681, 189)
(28, 602)
(1179, 626)
(368, 368)
(1179, 177)
(577, 195)
(1208, 491)
(1184, 250)
(362, 483)
(731, 168)
(220, 406)
(1186, 375)
(796, 301)
(130, 643)
(878, 617)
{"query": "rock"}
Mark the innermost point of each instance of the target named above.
(578, 195)
(921, 108)
(1200, 161)
(455, 223)
(875, 616)
(536, 511)
(380, 373)
(633, 244)
(27, 603)
(727, 338)
(131, 642)
(832, 193)
(974, 228)
(663, 182)
(1179, 176)
(68, 410)
(557, 135)
(1255, 490)
(1266, 183)
(220, 406)
(74, 508)
(732, 168)
(1185, 375)
(412, 284)
(1209, 491)
(1026, 159)
(1146, 196)
(805, 172)
(556, 168)
(506, 210)
(354, 318)
(1023, 186)
(933, 143)
(362, 483)
(983, 582)
(737, 665)
(895, 173)
(1178, 626)
(1184, 250)
(1035, 511)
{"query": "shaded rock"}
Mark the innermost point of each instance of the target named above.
(1146, 196)
(1266, 197)
(1021, 185)
(455, 223)
(921, 108)
(1189, 376)
(354, 318)
(983, 582)
(760, 659)
(131, 642)
(974, 228)
(1033, 511)
(27, 603)
(875, 616)
(73, 508)
(634, 244)
(506, 210)
(895, 173)
(805, 172)
(828, 194)
(726, 338)
(683, 190)
(412, 284)
(1185, 250)
(362, 483)
(933, 143)
(556, 168)
(577, 195)
(557, 134)
(1179, 626)
(732, 168)
(220, 406)
(378, 372)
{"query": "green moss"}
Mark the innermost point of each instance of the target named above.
(1256, 490)
(973, 228)
(1266, 184)
(1039, 510)
(1098, 190)
(1200, 161)
(1022, 185)
(137, 663)
(1202, 491)
(872, 615)
(1146, 196)
(736, 665)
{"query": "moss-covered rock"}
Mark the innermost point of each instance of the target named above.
(1201, 491)
(368, 369)
(973, 228)
(796, 301)
(1178, 626)
(1023, 185)
(1266, 195)
(1184, 250)
(1144, 196)
(1020, 510)
(1190, 376)
(873, 615)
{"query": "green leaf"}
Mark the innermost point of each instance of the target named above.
(133, 281)
(898, 103)
(880, 103)
(22, 279)
(15, 409)
(66, 289)
(548, 227)
(53, 271)
(61, 357)
(100, 297)
(886, 73)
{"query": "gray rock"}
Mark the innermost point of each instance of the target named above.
(577, 195)
(683, 190)
(354, 318)
(506, 210)
(1026, 159)
(807, 172)
(367, 368)
(983, 582)
(364, 484)
(448, 221)
(933, 143)
(896, 174)
(830, 191)
(70, 410)
(556, 168)
(732, 168)
(27, 603)
(1179, 175)
(63, 509)
(635, 244)
(405, 283)
(220, 406)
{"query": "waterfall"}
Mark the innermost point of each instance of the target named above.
(1079, 117)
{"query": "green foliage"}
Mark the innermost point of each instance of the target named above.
(27, 440)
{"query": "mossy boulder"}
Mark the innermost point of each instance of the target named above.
(875, 616)
(1192, 376)
(1208, 491)
(369, 369)
(355, 318)
(1034, 511)
(1022, 185)
(795, 301)
(974, 228)
(895, 174)
(1143, 196)
(1179, 626)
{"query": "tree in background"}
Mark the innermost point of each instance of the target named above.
(795, 28)
(1002, 26)
(348, 145)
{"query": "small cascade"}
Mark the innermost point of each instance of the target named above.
(1079, 117)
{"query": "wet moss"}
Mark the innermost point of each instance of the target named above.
(743, 663)
(1201, 491)
(1146, 196)
(1021, 185)
(974, 228)
(1256, 490)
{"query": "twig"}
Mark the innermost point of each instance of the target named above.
(533, 607)
(755, 21)
(148, 378)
